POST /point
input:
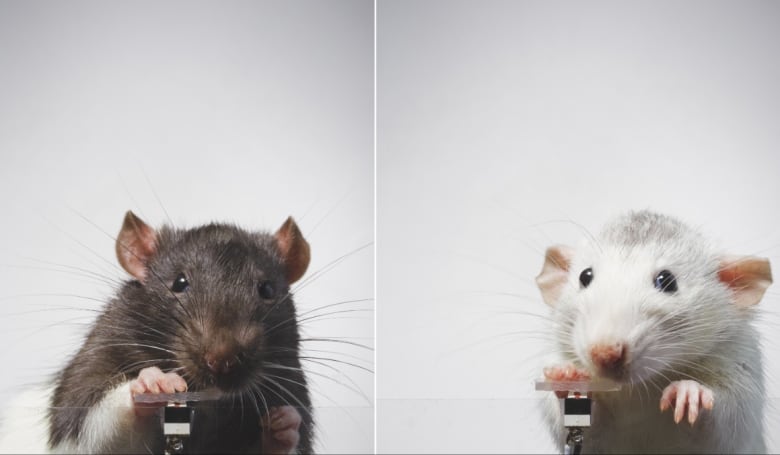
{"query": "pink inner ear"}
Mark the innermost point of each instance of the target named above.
(748, 278)
(555, 273)
(139, 254)
(294, 250)
(728, 276)
(135, 246)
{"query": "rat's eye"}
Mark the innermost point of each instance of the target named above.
(266, 290)
(586, 277)
(180, 284)
(666, 282)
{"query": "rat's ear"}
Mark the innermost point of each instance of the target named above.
(135, 245)
(294, 250)
(748, 277)
(555, 272)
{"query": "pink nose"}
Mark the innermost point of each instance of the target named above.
(608, 356)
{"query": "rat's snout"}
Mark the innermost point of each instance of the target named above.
(226, 355)
(221, 358)
(219, 362)
(609, 358)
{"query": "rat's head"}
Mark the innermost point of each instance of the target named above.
(648, 295)
(217, 297)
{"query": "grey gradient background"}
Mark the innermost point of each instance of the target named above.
(236, 111)
(504, 127)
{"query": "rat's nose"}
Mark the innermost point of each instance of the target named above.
(220, 361)
(608, 357)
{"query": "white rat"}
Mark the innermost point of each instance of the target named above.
(650, 304)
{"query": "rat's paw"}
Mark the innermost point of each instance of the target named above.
(565, 373)
(281, 434)
(686, 396)
(153, 380)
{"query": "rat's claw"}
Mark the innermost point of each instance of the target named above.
(565, 373)
(153, 380)
(282, 425)
(686, 396)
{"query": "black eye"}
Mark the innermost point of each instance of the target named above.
(586, 277)
(665, 282)
(180, 284)
(266, 290)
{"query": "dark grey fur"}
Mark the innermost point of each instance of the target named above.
(147, 325)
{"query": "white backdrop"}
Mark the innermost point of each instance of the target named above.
(502, 127)
(500, 123)
(230, 111)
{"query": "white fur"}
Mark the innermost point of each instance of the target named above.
(110, 426)
(695, 333)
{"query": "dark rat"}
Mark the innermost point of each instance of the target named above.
(652, 305)
(208, 307)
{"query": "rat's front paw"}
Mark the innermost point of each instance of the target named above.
(565, 373)
(153, 380)
(280, 427)
(686, 396)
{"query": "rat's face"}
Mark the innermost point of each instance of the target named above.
(220, 298)
(229, 302)
(646, 298)
(628, 313)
